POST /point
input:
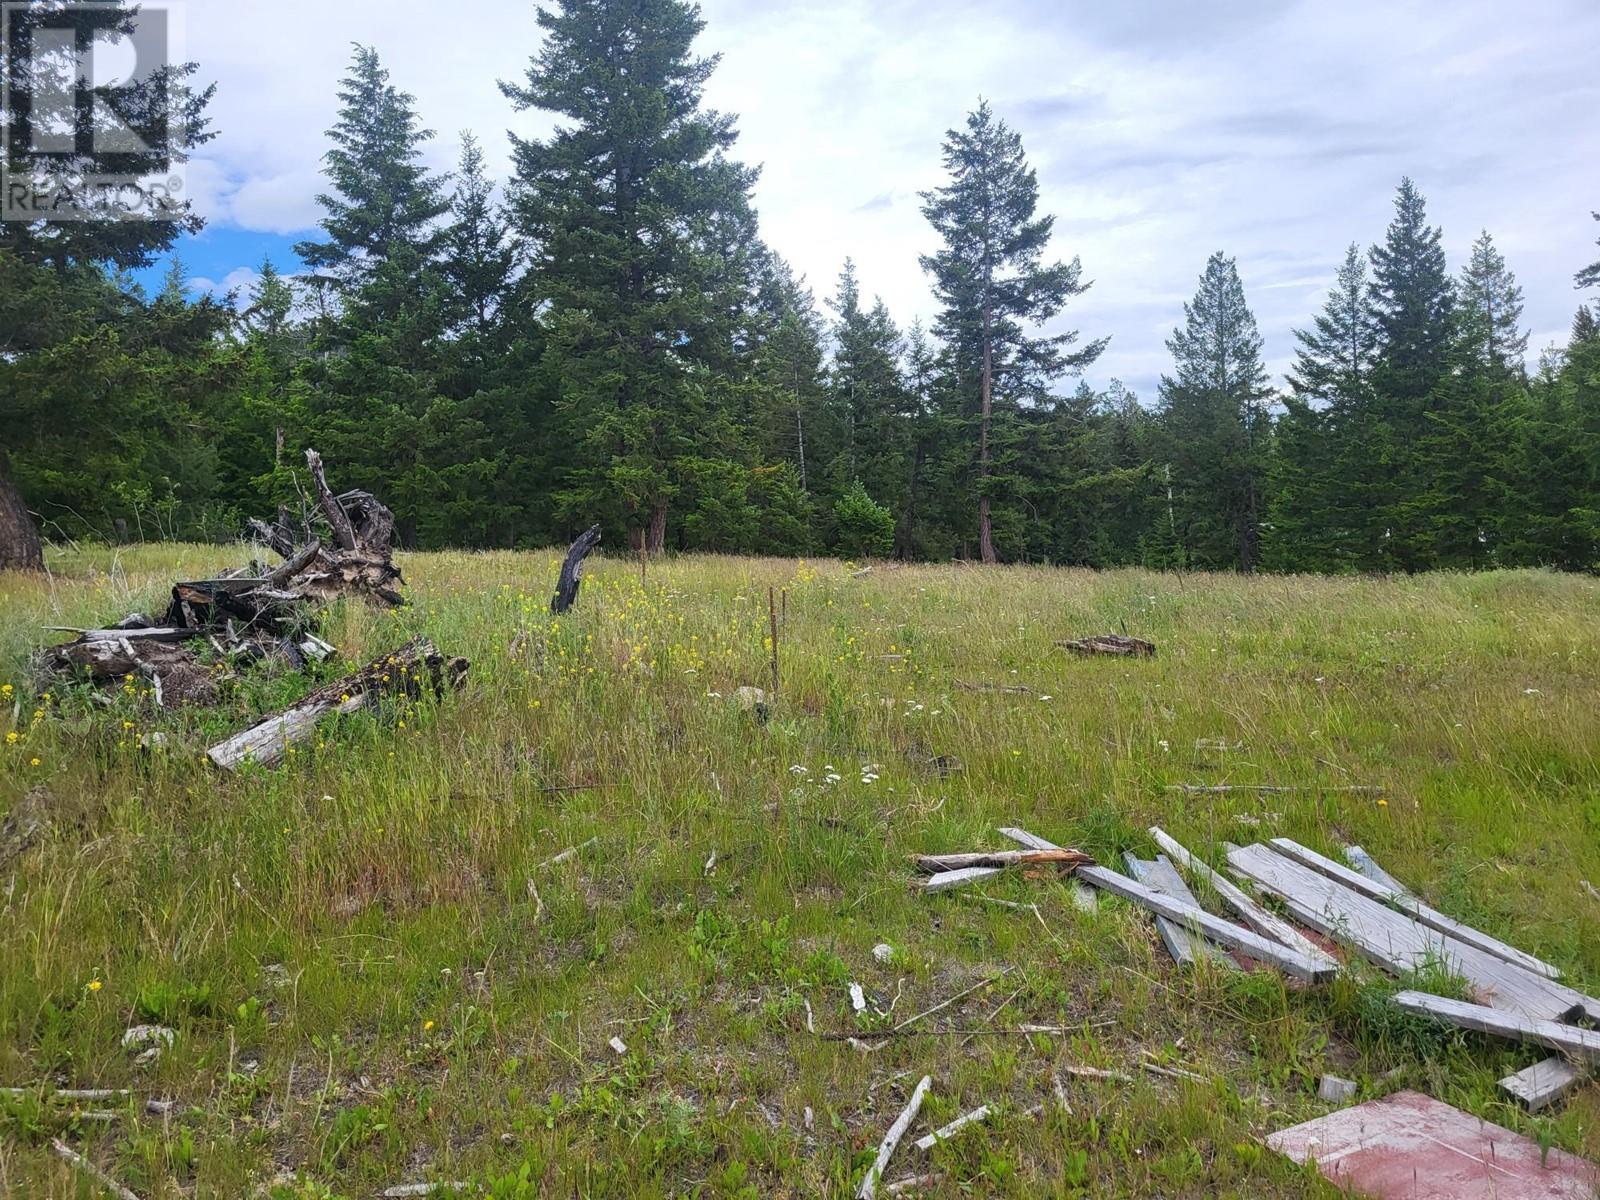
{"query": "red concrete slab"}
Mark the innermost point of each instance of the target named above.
(1411, 1147)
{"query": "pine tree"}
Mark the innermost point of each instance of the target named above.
(1584, 326)
(1413, 302)
(993, 283)
(384, 204)
(622, 203)
(1214, 409)
(1590, 275)
(375, 372)
(1491, 311)
(479, 252)
(1322, 471)
(866, 388)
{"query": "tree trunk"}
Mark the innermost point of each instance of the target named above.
(985, 530)
(658, 528)
(19, 539)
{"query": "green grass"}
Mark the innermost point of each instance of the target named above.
(368, 991)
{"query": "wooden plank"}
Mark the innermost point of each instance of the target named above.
(1543, 1084)
(1263, 922)
(1160, 876)
(1572, 1040)
(1399, 944)
(1197, 920)
(946, 880)
(1085, 899)
(1408, 1146)
(1173, 936)
(933, 864)
(1368, 866)
(981, 1113)
(1413, 907)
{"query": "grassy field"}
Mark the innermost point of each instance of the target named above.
(374, 980)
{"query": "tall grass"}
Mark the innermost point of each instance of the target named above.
(373, 979)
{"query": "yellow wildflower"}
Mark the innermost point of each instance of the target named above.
(94, 985)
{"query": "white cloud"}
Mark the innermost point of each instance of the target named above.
(1275, 132)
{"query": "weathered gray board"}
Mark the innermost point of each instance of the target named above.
(1160, 876)
(1368, 866)
(1573, 1040)
(1547, 1081)
(1414, 907)
(1225, 933)
(1263, 922)
(1394, 941)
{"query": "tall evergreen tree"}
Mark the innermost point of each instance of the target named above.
(620, 203)
(375, 371)
(1491, 311)
(1323, 476)
(479, 253)
(1413, 301)
(1590, 275)
(1214, 408)
(384, 204)
(1584, 326)
(992, 280)
(869, 393)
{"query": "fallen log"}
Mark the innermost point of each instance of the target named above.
(571, 577)
(1111, 643)
(172, 670)
(407, 671)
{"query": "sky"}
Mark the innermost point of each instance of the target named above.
(1162, 130)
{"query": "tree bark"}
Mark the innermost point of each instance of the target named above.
(571, 577)
(20, 549)
(658, 529)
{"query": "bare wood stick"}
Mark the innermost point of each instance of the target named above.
(1098, 1073)
(883, 1035)
(981, 1113)
(912, 1182)
(1172, 1072)
(886, 1148)
(570, 852)
(772, 622)
(932, 864)
(92, 1171)
(1222, 789)
(101, 1094)
(344, 533)
(982, 983)
(301, 559)
(1593, 891)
